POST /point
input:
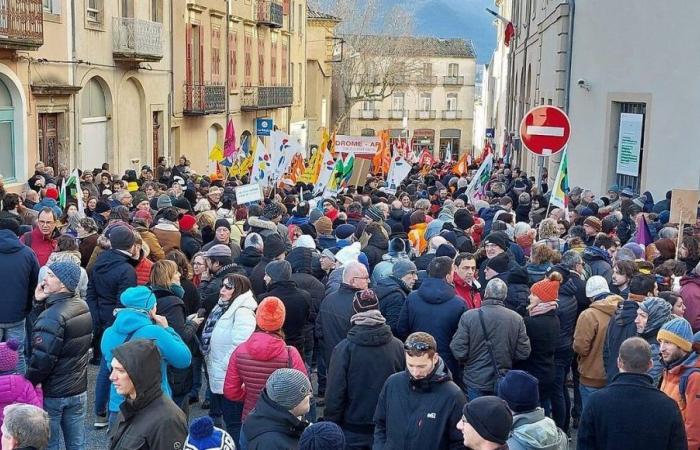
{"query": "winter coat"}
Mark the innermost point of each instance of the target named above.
(18, 289)
(168, 236)
(138, 325)
(507, 335)
(151, 421)
(537, 272)
(589, 339)
(233, 328)
(533, 431)
(424, 260)
(252, 363)
(333, 320)
(40, 245)
(86, 247)
(386, 266)
(257, 276)
(61, 338)
(143, 270)
(620, 327)
(598, 261)
(14, 388)
(360, 365)
(190, 244)
(543, 332)
(209, 289)
(631, 414)
(417, 238)
(47, 202)
(419, 414)
(572, 290)
(463, 241)
(271, 427)
(690, 291)
(391, 293)
(112, 274)
(298, 307)
(435, 309)
(518, 290)
(690, 408)
(657, 367)
(468, 292)
(233, 245)
(147, 236)
(249, 258)
(325, 241)
(376, 248)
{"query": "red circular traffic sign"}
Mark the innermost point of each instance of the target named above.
(545, 130)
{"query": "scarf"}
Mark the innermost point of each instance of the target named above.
(542, 308)
(369, 318)
(218, 311)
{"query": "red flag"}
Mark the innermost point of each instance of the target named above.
(508, 33)
(426, 158)
(230, 140)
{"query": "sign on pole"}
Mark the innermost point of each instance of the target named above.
(629, 144)
(263, 126)
(248, 193)
(684, 206)
(545, 130)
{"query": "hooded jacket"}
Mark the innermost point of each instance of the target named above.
(534, 431)
(271, 427)
(391, 293)
(248, 259)
(209, 289)
(517, 280)
(419, 414)
(435, 309)
(589, 339)
(18, 290)
(376, 248)
(112, 274)
(138, 324)
(298, 307)
(690, 291)
(252, 363)
(598, 262)
(690, 408)
(620, 327)
(151, 421)
(386, 266)
(360, 365)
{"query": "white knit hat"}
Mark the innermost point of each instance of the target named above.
(595, 286)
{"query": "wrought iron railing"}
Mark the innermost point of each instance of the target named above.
(203, 99)
(369, 114)
(451, 114)
(425, 114)
(136, 39)
(270, 12)
(21, 24)
(266, 97)
(453, 80)
(397, 114)
(426, 80)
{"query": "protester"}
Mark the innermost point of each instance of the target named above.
(25, 427)
(393, 290)
(485, 424)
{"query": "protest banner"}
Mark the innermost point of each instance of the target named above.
(357, 145)
(248, 193)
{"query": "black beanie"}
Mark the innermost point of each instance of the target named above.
(490, 418)
(463, 219)
(273, 246)
(224, 223)
(498, 238)
(499, 263)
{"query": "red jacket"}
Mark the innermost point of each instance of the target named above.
(468, 292)
(253, 362)
(143, 271)
(40, 245)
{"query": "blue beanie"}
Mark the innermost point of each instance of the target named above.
(139, 297)
(322, 436)
(205, 436)
(664, 217)
(67, 272)
(678, 332)
(519, 389)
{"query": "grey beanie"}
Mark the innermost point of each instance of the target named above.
(121, 237)
(279, 271)
(67, 272)
(164, 201)
(288, 387)
(402, 268)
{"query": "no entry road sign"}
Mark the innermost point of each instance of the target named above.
(545, 130)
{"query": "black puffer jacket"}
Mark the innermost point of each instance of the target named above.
(271, 427)
(391, 293)
(376, 248)
(620, 327)
(248, 259)
(333, 320)
(518, 290)
(360, 365)
(257, 276)
(209, 289)
(61, 338)
(111, 275)
(301, 260)
(297, 303)
(190, 243)
(542, 330)
(571, 292)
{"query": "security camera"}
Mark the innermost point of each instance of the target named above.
(583, 84)
(581, 81)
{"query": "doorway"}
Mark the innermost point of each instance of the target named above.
(48, 140)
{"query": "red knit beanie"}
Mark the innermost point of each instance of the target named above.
(52, 193)
(187, 222)
(270, 314)
(546, 290)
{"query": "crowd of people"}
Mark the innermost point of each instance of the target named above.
(429, 319)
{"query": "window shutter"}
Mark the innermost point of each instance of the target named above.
(56, 7)
(232, 47)
(201, 54)
(188, 54)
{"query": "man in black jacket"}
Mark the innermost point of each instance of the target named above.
(631, 413)
(420, 407)
(359, 366)
(147, 416)
(61, 340)
(392, 291)
(219, 264)
(297, 302)
(251, 254)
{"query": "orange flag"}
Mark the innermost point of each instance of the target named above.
(462, 165)
(297, 167)
(382, 160)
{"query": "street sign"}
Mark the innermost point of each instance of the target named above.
(545, 130)
(490, 133)
(263, 127)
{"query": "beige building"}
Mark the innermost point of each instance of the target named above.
(434, 108)
(82, 84)
(321, 50)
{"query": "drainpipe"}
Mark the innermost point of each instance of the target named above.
(72, 76)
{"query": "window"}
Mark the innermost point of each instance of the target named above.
(453, 70)
(273, 58)
(452, 102)
(285, 66)
(425, 100)
(291, 17)
(300, 16)
(301, 81)
(261, 59)
(368, 105)
(51, 6)
(248, 59)
(292, 75)
(127, 8)
(195, 54)
(157, 11)
(93, 12)
(216, 54)
(7, 114)
(233, 63)
(427, 70)
(397, 101)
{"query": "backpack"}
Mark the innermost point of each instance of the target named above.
(683, 384)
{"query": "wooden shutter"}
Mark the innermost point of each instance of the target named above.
(285, 66)
(261, 60)
(248, 70)
(273, 61)
(201, 54)
(215, 54)
(285, 7)
(233, 67)
(188, 54)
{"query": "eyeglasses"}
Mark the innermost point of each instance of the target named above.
(361, 278)
(227, 286)
(417, 346)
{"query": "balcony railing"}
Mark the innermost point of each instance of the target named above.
(451, 114)
(21, 24)
(266, 97)
(397, 114)
(425, 115)
(453, 81)
(201, 99)
(423, 80)
(270, 13)
(136, 40)
(369, 114)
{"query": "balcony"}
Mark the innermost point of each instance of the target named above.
(270, 13)
(451, 114)
(397, 114)
(422, 80)
(368, 114)
(136, 40)
(453, 81)
(266, 97)
(202, 99)
(425, 115)
(21, 24)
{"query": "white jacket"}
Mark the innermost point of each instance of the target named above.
(231, 330)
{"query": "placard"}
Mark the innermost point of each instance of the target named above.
(248, 193)
(358, 145)
(684, 201)
(629, 144)
(360, 169)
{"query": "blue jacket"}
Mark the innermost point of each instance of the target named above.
(172, 349)
(47, 202)
(18, 289)
(436, 309)
(112, 274)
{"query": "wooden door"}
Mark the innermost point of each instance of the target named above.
(48, 140)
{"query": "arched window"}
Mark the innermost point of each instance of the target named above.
(7, 130)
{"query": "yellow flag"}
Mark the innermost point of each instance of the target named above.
(216, 153)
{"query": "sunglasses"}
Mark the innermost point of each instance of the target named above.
(228, 286)
(417, 346)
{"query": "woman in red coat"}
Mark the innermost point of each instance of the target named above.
(253, 361)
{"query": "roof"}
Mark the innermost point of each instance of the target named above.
(421, 45)
(318, 15)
